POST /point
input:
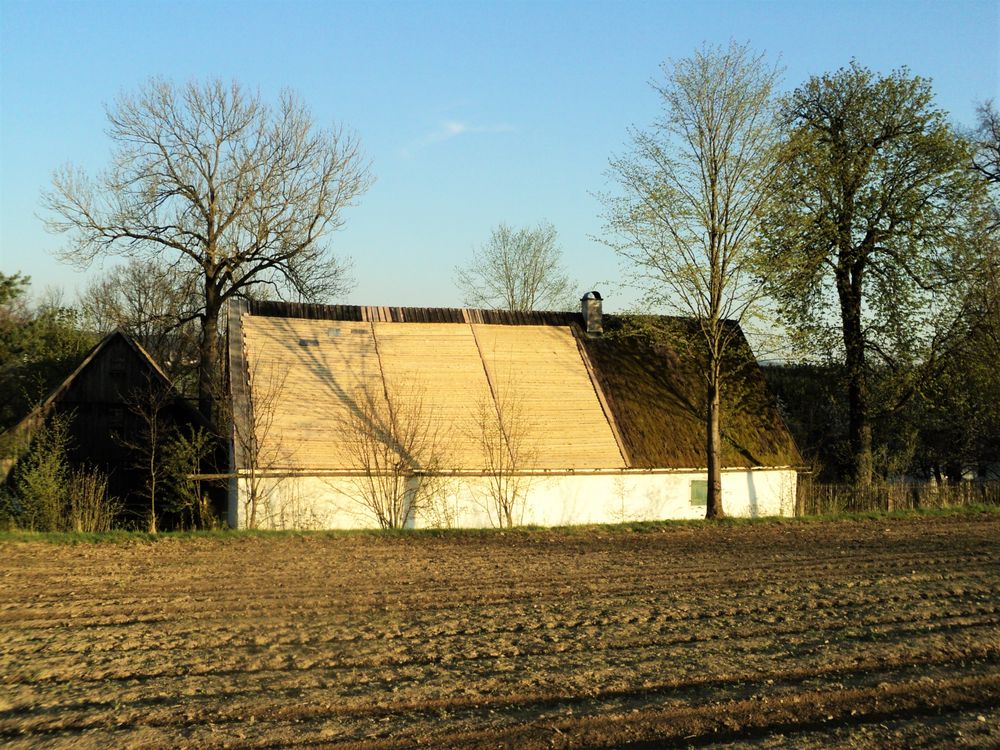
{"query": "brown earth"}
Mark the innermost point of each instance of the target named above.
(860, 634)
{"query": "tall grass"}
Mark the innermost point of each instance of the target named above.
(90, 508)
(826, 499)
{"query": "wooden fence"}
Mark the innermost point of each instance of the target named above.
(822, 499)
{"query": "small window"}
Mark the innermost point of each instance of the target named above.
(699, 492)
(116, 416)
(117, 364)
(332, 332)
(308, 342)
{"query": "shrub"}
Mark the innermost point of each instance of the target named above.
(47, 494)
(41, 479)
(184, 454)
(90, 507)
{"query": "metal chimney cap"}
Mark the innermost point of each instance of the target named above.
(591, 295)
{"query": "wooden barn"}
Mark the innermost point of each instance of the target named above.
(103, 399)
(580, 417)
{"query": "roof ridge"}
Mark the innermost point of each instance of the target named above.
(406, 314)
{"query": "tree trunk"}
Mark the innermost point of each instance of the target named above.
(859, 425)
(151, 526)
(208, 367)
(713, 506)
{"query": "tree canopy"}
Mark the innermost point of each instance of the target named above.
(873, 219)
(213, 182)
(40, 344)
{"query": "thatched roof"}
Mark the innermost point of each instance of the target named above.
(651, 371)
(629, 399)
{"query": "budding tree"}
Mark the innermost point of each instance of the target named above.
(690, 207)
(209, 178)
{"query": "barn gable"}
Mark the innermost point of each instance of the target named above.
(99, 396)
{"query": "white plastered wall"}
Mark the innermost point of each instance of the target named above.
(331, 502)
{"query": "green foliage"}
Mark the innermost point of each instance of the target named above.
(41, 479)
(690, 204)
(957, 412)
(875, 223)
(46, 493)
(185, 454)
(873, 186)
(812, 404)
(12, 286)
(39, 346)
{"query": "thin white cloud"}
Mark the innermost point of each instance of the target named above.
(450, 129)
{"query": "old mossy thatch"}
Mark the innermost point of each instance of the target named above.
(651, 369)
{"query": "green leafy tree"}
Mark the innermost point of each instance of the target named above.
(39, 346)
(872, 220)
(690, 207)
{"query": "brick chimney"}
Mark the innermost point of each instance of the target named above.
(590, 307)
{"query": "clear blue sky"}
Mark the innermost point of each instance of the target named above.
(471, 112)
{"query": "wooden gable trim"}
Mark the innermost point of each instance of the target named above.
(239, 381)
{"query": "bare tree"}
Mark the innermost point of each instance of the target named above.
(986, 160)
(209, 179)
(156, 304)
(396, 445)
(986, 157)
(519, 270)
(501, 434)
(258, 440)
(150, 405)
(693, 188)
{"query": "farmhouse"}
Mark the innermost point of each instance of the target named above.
(570, 417)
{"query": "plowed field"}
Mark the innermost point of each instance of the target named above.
(867, 634)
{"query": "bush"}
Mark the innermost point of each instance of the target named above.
(41, 479)
(185, 454)
(830, 499)
(46, 494)
(90, 507)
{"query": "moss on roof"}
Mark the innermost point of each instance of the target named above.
(651, 369)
